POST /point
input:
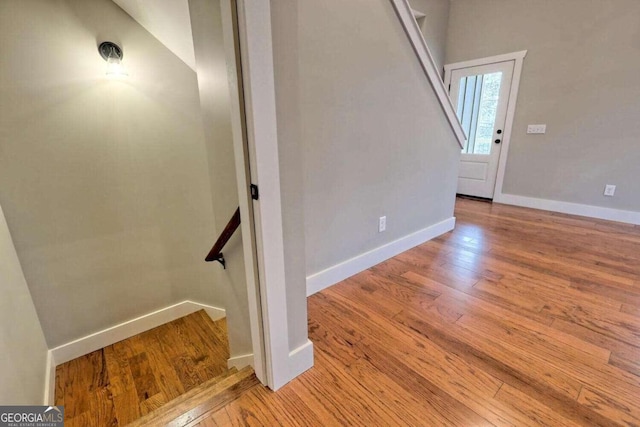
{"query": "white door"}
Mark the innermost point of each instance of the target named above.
(480, 96)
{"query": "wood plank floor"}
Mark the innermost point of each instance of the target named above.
(518, 317)
(124, 381)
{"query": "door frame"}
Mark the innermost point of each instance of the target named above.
(518, 58)
(255, 140)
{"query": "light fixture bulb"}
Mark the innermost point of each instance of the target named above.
(112, 53)
(115, 67)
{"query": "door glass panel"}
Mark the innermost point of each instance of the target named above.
(477, 109)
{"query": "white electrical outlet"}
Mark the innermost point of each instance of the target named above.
(382, 224)
(609, 190)
(537, 129)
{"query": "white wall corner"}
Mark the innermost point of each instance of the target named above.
(50, 380)
(241, 361)
(629, 217)
(332, 275)
(114, 334)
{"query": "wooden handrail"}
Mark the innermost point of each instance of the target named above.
(215, 254)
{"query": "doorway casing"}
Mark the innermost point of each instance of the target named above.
(255, 136)
(518, 58)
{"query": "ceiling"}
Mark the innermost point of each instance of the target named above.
(168, 21)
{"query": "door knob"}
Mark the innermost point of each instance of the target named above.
(497, 141)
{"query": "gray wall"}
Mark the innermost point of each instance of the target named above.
(434, 27)
(373, 136)
(580, 77)
(105, 184)
(23, 350)
(206, 24)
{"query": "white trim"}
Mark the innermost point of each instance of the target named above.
(518, 58)
(254, 20)
(332, 275)
(629, 217)
(508, 124)
(114, 334)
(418, 14)
(421, 49)
(50, 380)
(241, 157)
(241, 361)
(301, 359)
(514, 56)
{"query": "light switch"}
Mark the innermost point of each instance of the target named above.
(538, 129)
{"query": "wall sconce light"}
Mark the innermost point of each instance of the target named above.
(112, 53)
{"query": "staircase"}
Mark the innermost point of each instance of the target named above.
(195, 405)
(175, 374)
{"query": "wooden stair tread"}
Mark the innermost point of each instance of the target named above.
(192, 406)
(195, 391)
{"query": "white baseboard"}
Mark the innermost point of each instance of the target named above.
(301, 359)
(50, 380)
(215, 313)
(332, 275)
(240, 362)
(590, 211)
(125, 330)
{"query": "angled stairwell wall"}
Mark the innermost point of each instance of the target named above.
(104, 183)
(372, 136)
(213, 86)
(434, 26)
(23, 350)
